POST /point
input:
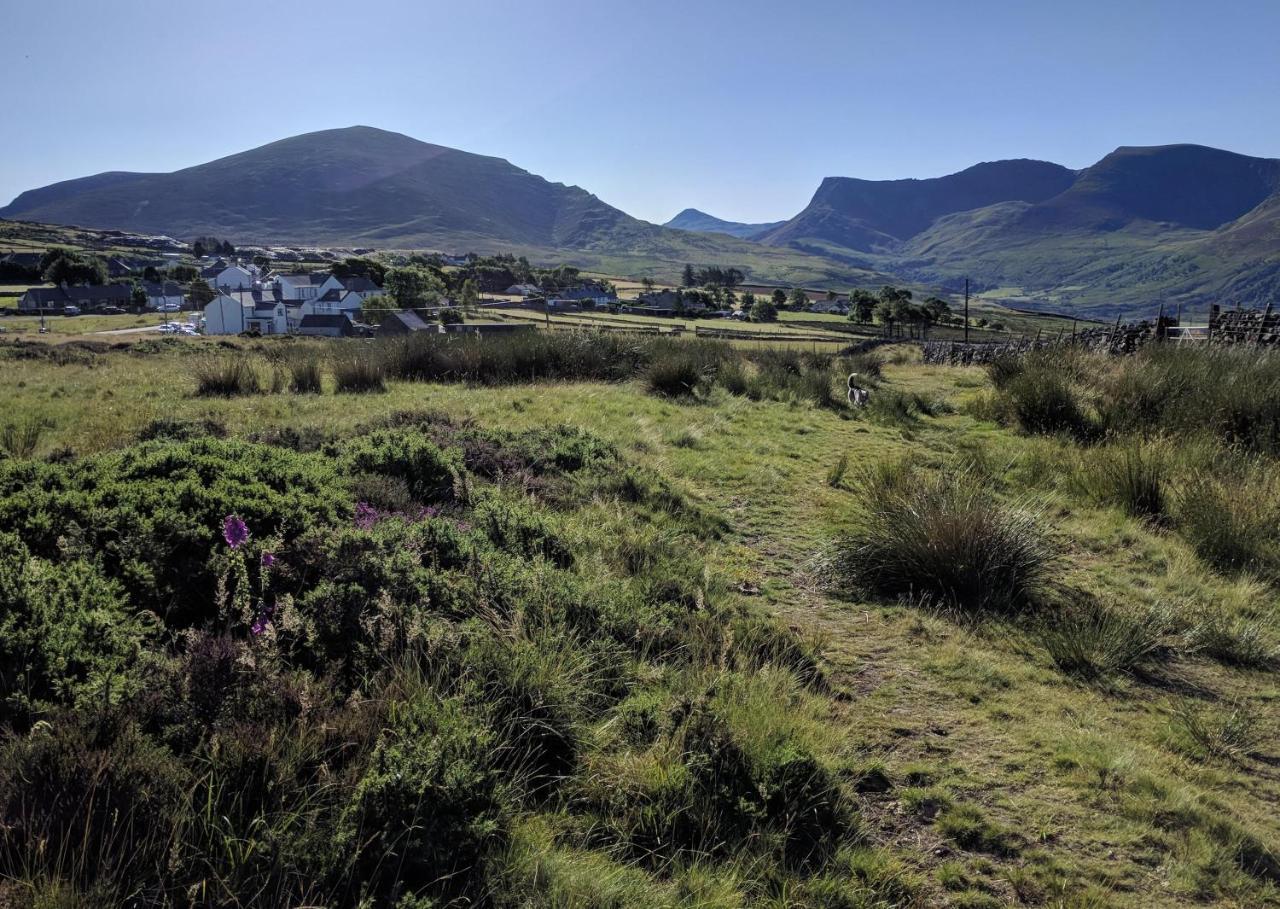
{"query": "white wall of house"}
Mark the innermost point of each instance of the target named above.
(272, 322)
(233, 277)
(224, 316)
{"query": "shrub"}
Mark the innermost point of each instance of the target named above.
(835, 476)
(226, 375)
(429, 471)
(1042, 401)
(1225, 731)
(359, 371)
(946, 540)
(427, 808)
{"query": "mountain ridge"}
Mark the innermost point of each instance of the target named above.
(700, 222)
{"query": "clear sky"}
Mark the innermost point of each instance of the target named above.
(736, 107)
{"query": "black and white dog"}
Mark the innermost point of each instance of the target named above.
(858, 396)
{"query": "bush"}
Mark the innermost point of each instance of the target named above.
(226, 376)
(429, 471)
(1042, 401)
(428, 807)
(945, 540)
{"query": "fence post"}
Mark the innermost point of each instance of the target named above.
(1262, 326)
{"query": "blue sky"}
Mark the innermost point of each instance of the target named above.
(737, 107)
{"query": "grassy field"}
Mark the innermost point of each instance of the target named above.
(982, 772)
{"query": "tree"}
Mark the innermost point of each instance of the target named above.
(779, 298)
(862, 304)
(748, 301)
(138, 297)
(937, 309)
(373, 309)
(449, 316)
(798, 299)
(468, 297)
(764, 311)
(65, 266)
(647, 283)
(200, 293)
(183, 273)
(198, 250)
(413, 286)
(358, 267)
(151, 274)
(689, 279)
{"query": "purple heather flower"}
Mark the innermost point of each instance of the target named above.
(234, 531)
(264, 619)
(366, 515)
(268, 559)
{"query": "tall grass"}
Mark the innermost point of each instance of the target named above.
(359, 370)
(305, 372)
(227, 375)
(1133, 476)
(21, 438)
(946, 541)
(1093, 640)
(1230, 517)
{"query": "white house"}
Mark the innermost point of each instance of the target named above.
(160, 295)
(296, 287)
(224, 315)
(229, 277)
(227, 315)
(333, 302)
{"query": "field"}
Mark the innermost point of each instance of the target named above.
(980, 764)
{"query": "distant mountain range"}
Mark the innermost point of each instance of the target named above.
(701, 222)
(1177, 224)
(362, 186)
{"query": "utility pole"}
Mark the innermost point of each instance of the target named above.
(966, 310)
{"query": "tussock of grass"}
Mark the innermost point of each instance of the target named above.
(1093, 641)
(226, 376)
(21, 438)
(944, 540)
(359, 371)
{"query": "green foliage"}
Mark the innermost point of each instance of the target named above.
(944, 540)
(413, 286)
(431, 473)
(427, 808)
(764, 310)
(1230, 520)
(67, 636)
(66, 266)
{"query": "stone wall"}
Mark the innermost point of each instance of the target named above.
(1244, 326)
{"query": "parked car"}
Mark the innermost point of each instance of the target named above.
(170, 307)
(70, 310)
(112, 311)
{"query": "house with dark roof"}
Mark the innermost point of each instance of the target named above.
(298, 287)
(326, 325)
(404, 322)
(524, 291)
(362, 287)
(162, 294)
(224, 277)
(86, 298)
(592, 292)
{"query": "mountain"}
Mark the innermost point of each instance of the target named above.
(703, 223)
(361, 186)
(1179, 225)
(867, 215)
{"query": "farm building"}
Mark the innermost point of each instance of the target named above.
(86, 298)
(336, 325)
